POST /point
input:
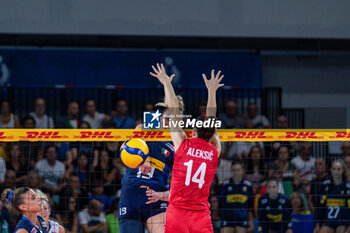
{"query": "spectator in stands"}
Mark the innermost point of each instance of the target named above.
(256, 169)
(120, 116)
(281, 122)
(2, 170)
(316, 183)
(97, 193)
(71, 120)
(108, 170)
(112, 217)
(201, 109)
(7, 118)
(5, 219)
(93, 117)
(42, 121)
(92, 219)
(284, 187)
(148, 107)
(51, 170)
(10, 180)
(282, 163)
(305, 163)
(74, 190)
(68, 216)
(17, 162)
(28, 122)
(214, 204)
(84, 125)
(80, 167)
(259, 121)
(34, 181)
(230, 119)
(302, 218)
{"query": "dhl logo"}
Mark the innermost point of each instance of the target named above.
(301, 135)
(148, 134)
(43, 134)
(335, 202)
(342, 135)
(249, 135)
(274, 218)
(97, 134)
(2, 135)
(236, 198)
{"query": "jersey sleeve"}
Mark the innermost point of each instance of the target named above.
(263, 226)
(320, 209)
(287, 213)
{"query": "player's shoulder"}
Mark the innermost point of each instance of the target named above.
(247, 183)
(282, 199)
(264, 199)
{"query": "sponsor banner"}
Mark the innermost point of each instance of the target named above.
(164, 135)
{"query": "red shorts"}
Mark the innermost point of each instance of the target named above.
(187, 221)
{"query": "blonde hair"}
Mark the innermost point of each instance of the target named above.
(298, 195)
(179, 100)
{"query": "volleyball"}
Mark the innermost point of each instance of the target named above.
(134, 152)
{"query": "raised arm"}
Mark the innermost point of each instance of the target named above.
(177, 133)
(213, 84)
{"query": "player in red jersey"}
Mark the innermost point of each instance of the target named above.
(195, 162)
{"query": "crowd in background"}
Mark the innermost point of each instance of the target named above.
(83, 179)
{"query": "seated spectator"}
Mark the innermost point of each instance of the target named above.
(112, 217)
(42, 121)
(9, 182)
(64, 152)
(148, 107)
(120, 116)
(80, 167)
(305, 163)
(28, 122)
(214, 204)
(68, 216)
(93, 117)
(74, 190)
(321, 176)
(97, 193)
(282, 163)
(34, 181)
(256, 169)
(17, 162)
(284, 187)
(230, 118)
(259, 121)
(223, 171)
(112, 149)
(298, 204)
(51, 170)
(8, 120)
(109, 171)
(6, 225)
(282, 122)
(92, 219)
(71, 120)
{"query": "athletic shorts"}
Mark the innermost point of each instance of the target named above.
(132, 204)
(187, 221)
(235, 222)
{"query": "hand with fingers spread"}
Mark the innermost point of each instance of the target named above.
(154, 196)
(161, 75)
(213, 83)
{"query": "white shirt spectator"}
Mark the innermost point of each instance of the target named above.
(240, 147)
(45, 122)
(95, 123)
(85, 218)
(51, 175)
(306, 169)
(260, 122)
(2, 170)
(223, 172)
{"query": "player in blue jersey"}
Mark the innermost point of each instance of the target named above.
(26, 203)
(236, 202)
(274, 211)
(332, 211)
(135, 207)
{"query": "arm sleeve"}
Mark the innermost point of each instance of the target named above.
(82, 218)
(262, 218)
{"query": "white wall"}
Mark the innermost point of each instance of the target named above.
(227, 18)
(321, 85)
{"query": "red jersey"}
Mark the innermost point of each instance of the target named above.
(195, 164)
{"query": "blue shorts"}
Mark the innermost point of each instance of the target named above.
(132, 204)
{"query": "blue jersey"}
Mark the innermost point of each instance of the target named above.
(333, 204)
(162, 159)
(24, 223)
(235, 200)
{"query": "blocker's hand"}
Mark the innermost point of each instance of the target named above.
(145, 168)
(152, 195)
(213, 83)
(161, 75)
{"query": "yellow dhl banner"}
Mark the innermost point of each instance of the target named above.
(164, 135)
(335, 202)
(234, 198)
